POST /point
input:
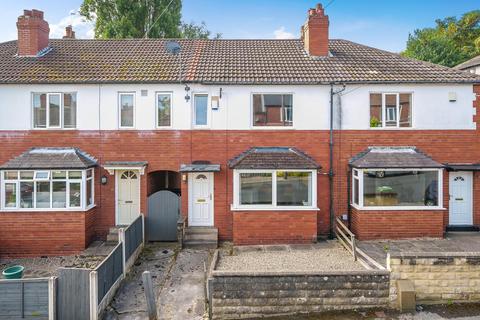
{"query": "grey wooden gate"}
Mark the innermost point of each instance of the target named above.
(73, 294)
(163, 213)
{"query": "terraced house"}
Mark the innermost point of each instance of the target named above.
(254, 141)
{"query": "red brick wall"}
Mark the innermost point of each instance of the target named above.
(368, 225)
(45, 233)
(270, 227)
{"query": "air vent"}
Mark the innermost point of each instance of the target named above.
(144, 93)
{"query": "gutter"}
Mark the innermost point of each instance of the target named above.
(331, 172)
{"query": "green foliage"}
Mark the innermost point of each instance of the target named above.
(374, 122)
(140, 18)
(450, 42)
(195, 31)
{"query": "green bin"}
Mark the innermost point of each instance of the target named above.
(15, 272)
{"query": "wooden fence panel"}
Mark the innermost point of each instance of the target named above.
(24, 298)
(73, 294)
(109, 271)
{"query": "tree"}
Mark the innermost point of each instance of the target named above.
(450, 42)
(140, 18)
(195, 31)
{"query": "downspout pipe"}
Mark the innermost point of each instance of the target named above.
(331, 172)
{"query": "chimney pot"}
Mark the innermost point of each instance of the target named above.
(314, 32)
(33, 32)
(69, 33)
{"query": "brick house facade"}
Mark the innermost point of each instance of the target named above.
(156, 154)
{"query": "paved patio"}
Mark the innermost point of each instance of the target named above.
(453, 242)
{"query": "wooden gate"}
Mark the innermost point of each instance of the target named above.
(163, 214)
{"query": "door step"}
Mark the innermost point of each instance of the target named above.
(112, 236)
(462, 228)
(201, 237)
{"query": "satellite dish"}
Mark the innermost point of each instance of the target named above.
(173, 47)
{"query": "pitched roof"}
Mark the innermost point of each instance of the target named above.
(273, 158)
(393, 157)
(51, 158)
(475, 61)
(216, 62)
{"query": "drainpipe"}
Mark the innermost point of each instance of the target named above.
(331, 173)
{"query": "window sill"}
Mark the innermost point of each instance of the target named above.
(232, 208)
(391, 128)
(272, 127)
(7, 210)
(397, 208)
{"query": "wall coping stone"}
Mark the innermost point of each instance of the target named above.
(218, 273)
(433, 255)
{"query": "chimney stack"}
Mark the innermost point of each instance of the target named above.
(69, 33)
(314, 33)
(33, 33)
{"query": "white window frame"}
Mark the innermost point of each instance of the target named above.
(83, 180)
(170, 93)
(194, 120)
(61, 115)
(397, 110)
(252, 120)
(119, 109)
(242, 207)
(361, 205)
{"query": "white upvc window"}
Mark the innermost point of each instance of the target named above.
(54, 110)
(201, 110)
(126, 110)
(47, 190)
(390, 110)
(275, 189)
(273, 110)
(163, 109)
(397, 189)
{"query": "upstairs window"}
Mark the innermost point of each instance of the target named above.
(54, 110)
(126, 110)
(200, 112)
(164, 109)
(390, 110)
(274, 110)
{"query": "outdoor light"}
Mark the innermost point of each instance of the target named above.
(187, 96)
(103, 180)
(184, 177)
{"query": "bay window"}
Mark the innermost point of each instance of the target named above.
(47, 189)
(54, 110)
(390, 110)
(272, 110)
(275, 189)
(397, 188)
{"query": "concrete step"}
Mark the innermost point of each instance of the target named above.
(200, 244)
(201, 230)
(201, 236)
(112, 237)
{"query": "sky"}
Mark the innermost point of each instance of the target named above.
(383, 24)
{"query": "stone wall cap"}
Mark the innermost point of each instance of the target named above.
(421, 255)
(218, 273)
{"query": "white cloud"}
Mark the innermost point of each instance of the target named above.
(280, 33)
(83, 28)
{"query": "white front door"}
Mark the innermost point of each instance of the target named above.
(460, 198)
(200, 199)
(128, 196)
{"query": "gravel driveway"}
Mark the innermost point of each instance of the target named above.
(324, 256)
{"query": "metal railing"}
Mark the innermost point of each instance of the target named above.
(349, 242)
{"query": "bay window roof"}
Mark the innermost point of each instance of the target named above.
(50, 158)
(393, 157)
(273, 158)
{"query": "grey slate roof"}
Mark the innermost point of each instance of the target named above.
(273, 158)
(475, 61)
(51, 158)
(393, 157)
(200, 167)
(217, 62)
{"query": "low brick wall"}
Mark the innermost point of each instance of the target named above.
(437, 277)
(397, 224)
(273, 227)
(45, 233)
(239, 295)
